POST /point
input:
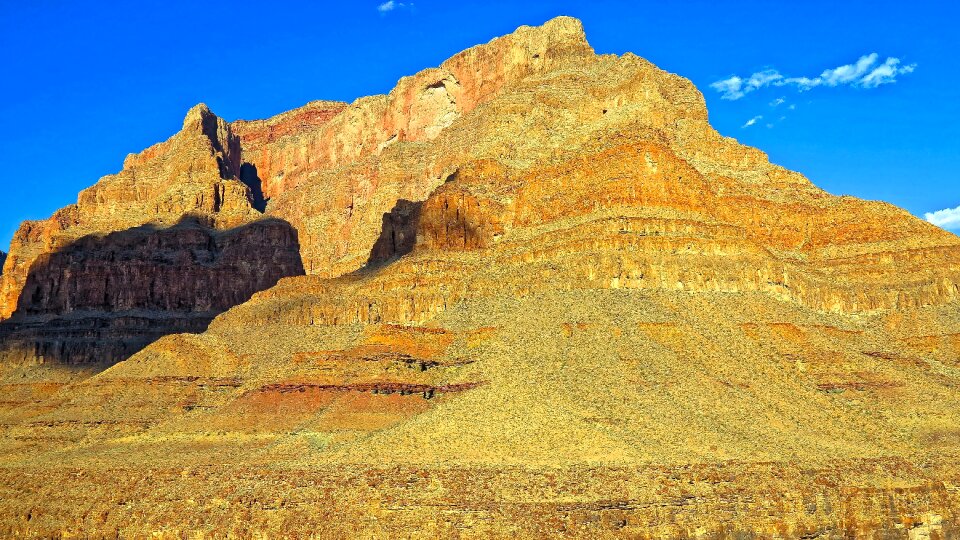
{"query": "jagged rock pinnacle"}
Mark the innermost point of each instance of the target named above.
(197, 115)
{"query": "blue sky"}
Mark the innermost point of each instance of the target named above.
(85, 83)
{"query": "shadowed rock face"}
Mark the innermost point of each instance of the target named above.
(542, 298)
(185, 268)
(398, 234)
(101, 299)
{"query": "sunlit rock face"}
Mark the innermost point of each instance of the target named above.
(528, 293)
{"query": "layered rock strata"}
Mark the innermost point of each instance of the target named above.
(99, 300)
(161, 247)
(543, 298)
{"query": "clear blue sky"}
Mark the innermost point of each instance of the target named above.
(85, 83)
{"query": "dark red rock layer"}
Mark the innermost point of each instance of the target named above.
(101, 299)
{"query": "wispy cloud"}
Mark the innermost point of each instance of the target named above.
(736, 87)
(391, 5)
(847, 74)
(752, 121)
(777, 102)
(864, 73)
(886, 73)
(948, 218)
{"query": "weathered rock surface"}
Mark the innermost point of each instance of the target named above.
(194, 171)
(187, 267)
(280, 151)
(160, 247)
(100, 299)
(543, 298)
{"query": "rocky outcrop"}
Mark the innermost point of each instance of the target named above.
(185, 268)
(101, 299)
(398, 234)
(161, 247)
(194, 171)
(279, 151)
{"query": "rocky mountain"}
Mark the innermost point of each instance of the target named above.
(161, 247)
(531, 292)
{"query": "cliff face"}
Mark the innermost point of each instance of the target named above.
(184, 268)
(280, 151)
(101, 299)
(193, 171)
(542, 298)
(295, 146)
(160, 247)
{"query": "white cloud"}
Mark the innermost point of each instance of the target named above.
(752, 121)
(763, 78)
(736, 88)
(864, 73)
(948, 219)
(391, 5)
(777, 102)
(886, 73)
(730, 88)
(803, 83)
(848, 73)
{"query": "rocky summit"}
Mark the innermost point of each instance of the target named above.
(528, 293)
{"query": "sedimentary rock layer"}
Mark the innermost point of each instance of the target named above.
(161, 247)
(101, 299)
(542, 297)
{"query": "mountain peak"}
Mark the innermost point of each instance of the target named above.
(565, 28)
(197, 115)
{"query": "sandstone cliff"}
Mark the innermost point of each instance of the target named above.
(160, 247)
(542, 298)
(541, 110)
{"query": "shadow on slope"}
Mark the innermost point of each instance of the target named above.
(398, 234)
(101, 299)
(250, 177)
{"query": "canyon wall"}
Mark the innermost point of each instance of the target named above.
(161, 247)
(530, 292)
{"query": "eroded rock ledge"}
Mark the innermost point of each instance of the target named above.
(101, 299)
